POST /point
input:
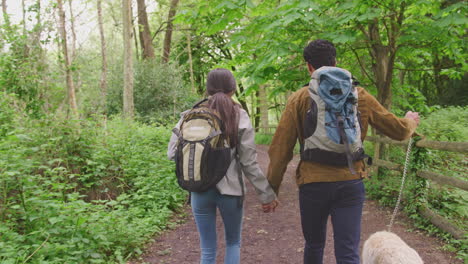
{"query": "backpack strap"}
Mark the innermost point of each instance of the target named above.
(176, 131)
(200, 102)
(343, 136)
(355, 81)
(213, 134)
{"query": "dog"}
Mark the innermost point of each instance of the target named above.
(387, 248)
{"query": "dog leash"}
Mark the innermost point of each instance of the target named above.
(395, 211)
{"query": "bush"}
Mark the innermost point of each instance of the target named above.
(263, 139)
(7, 113)
(444, 124)
(83, 191)
(159, 92)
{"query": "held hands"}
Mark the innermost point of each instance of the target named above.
(270, 207)
(413, 115)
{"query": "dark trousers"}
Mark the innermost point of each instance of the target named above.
(343, 201)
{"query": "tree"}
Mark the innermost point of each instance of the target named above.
(6, 18)
(23, 7)
(72, 27)
(70, 86)
(103, 80)
(73, 46)
(263, 102)
(128, 104)
(169, 29)
(210, 41)
(146, 42)
(189, 52)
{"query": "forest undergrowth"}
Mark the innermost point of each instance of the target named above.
(81, 191)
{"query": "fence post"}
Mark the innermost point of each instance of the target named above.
(419, 194)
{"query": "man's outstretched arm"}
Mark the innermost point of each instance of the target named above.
(389, 124)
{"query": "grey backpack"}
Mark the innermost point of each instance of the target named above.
(332, 129)
(203, 155)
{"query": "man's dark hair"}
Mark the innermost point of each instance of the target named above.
(320, 53)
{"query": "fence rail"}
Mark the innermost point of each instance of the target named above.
(439, 145)
(424, 209)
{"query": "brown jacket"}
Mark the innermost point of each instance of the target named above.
(290, 129)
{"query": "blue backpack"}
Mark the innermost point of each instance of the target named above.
(332, 129)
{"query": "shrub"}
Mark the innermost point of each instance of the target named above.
(83, 191)
(159, 92)
(444, 124)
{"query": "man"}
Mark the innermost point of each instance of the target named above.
(327, 189)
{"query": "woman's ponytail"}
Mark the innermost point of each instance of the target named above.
(229, 113)
(219, 84)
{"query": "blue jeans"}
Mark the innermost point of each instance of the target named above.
(343, 201)
(204, 206)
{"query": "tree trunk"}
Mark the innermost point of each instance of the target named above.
(73, 53)
(26, 47)
(383, 53)
(168, 37)
(263, 100)
(5, 14)
(23, 7)
(70, 86)
(137, 50)
(189, 51)
(147, 50)
(440, 80)
(40, 54)
(103, 81)
(38, 27)
(382, 66)
(128, 106)
(72, 22)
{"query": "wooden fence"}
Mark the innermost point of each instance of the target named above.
(424, 210)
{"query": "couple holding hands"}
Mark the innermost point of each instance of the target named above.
(329, 180)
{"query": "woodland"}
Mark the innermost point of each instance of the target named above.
(90, 90)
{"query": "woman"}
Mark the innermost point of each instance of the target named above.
(227, 195)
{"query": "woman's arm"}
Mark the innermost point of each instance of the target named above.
(248, 160)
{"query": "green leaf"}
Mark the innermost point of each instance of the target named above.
(54, 220)
(250, 4)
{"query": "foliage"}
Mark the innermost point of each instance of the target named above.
(19, 73)
(443, 124)
(262, 42)
(446, 124)
(160, 95)
(263, 139)
(92, 191)
(83, 191)
(7, 115)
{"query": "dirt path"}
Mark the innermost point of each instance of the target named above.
(276, 238)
